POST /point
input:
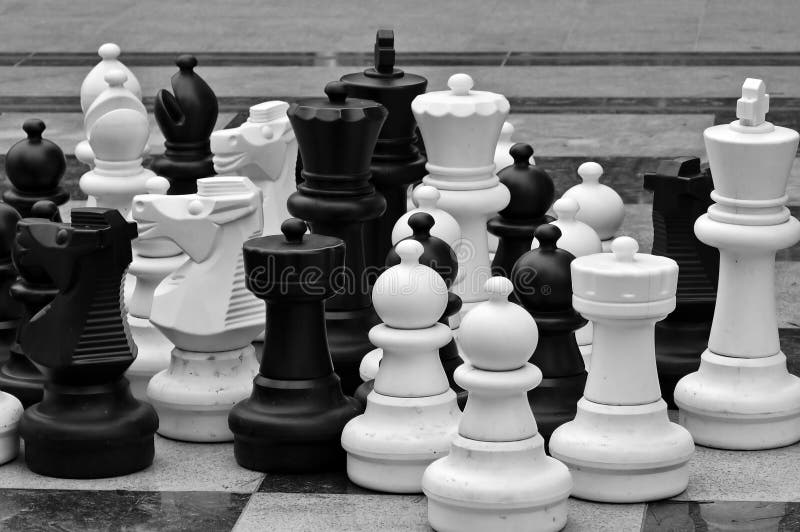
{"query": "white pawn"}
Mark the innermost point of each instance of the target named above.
(95, 83)
(118, 130)
(579, 239)
(621, 447)
(264, 149)
(600, 206)
(152, 261)
(445, 226)
(412, 414)
(497, 476)
(204, 308)
(10, 414)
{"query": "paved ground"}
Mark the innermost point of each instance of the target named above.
(624, 82)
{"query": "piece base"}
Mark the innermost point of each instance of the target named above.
(740, 404)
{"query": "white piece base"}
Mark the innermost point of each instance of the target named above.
(740, 403)
(368, 368)
(195, 394)
(10, 414)
(624, 454)
(391, 444)
(153, 355)
(497, 486)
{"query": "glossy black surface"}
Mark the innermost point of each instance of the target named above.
(90, 511)
(729, 516)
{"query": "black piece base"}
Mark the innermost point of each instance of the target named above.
(555, 401)
(292, 426)
(20, 378)
(679, 345)
(348, 340)
(88, 432)
(24, 202)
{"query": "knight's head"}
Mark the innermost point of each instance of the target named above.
(194, 221)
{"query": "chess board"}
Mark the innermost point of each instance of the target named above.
(200, 486)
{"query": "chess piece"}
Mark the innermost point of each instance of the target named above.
(10, 309)
(34, 166)
(412, 414)
(117, 130)
(95, 81)
(621, 447)
(293, 420)
(461, 128)
(10, 414)
(203, 307)
(396, 161)
(336, 136)
(681, 193)
(600, 206)
(186, 119)
(265, 150)
(497, 476)
(579, 239)
(742, 396)
(532, 193)
(438, 255)
(445, 226)
(33, 289)
(153, 260)
(88, 424)
(543, 285)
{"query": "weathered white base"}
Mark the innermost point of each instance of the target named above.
(740, 403)
(624, 454)
(391, 444)
(368, 368)
(497, 486)
(10, 414)
(153, 355)
(195, 394)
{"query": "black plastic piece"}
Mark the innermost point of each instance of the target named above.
(543, 285)
(294, 418)
(186, 119)
(336, 137)
(35, 167)
(437, 254)
(396, 161)
(10, 309)
(88, 425)
(532, 194)
(681, 194)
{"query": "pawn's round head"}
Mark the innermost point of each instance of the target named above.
(409, 295)
(566, 209)
(460, 84)
(521, 153)
(108, 51)
(293, 230)
(427, 196)
(186, 62)
(498, 335)
(336, 91)
(590, 172)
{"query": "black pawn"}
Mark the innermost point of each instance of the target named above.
(10, 309)
(681, 193)
(336, 137)
(293, 421)
(88, 425)
(532, 194)
(186, 120)
(439, 256)
(396, 161)
(32, 289)
(543, 285)
(35, 167)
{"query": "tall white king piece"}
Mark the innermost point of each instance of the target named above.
(743, 397)
(461, 128)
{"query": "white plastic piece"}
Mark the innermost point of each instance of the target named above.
(600, 206)
(461, 128)
(94, 83)
(368, 368)
(117, 129)
(204, 307)
(743, 396)
(621, 446)
(10, 414)
(445, 226)
(497, 476)
(412, 414)
(264, 149)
